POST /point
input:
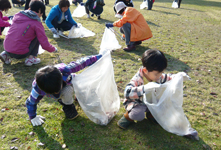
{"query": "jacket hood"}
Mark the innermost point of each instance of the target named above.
(30, 14)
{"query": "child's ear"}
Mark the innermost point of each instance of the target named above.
(145, 69)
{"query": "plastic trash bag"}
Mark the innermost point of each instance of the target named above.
(144, 5)
(5, 31)
(174, 4)
(165, 104)
(80, 32)
(96, 91)
(109, 41)
(79, 11)
(40, 50)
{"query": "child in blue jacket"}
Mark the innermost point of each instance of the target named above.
(59, 18)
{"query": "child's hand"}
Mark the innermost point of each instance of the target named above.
(37, 121)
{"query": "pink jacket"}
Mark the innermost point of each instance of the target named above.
(22, 31)
(3, 21)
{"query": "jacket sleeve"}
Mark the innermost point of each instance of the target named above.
(5, 18)
(164, 78)
(52, 14)
(4, 23)
(135, 89)
(31, 103)
(42, 38)
(80, 64)
(70, 19)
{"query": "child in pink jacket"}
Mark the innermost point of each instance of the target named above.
(4, 6)
(25, 35)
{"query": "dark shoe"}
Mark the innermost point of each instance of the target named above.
(137, 43)
(130, 48)
(92, 15)
(99, 17)
(193, 134)
(150, 117)
(69, 110)
(124, 123)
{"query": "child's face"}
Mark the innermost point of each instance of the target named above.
(152, 75)
(64, 9)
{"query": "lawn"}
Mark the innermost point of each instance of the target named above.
(189, 36)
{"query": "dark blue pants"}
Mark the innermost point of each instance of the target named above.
(64, 26)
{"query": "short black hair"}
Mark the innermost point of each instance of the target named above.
(36, 5)
(154, 60)
(5, 5)
(49, 79)
(64, 3)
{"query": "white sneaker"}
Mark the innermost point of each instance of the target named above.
(56, 36)
(30, 62)
(60, 32)
(88, 15)
(5, 58)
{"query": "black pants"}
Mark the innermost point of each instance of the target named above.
(179, 2)
(65, 25)
(33, 50)
(17, 2)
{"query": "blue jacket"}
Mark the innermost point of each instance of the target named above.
(56, 12)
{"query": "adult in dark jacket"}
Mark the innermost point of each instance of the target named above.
(92, 6)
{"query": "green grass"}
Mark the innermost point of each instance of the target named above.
(191, 39)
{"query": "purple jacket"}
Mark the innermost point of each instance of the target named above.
(3, 22)
(25, 27)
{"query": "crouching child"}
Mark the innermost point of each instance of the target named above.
(55, 82)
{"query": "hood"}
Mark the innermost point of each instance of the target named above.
(30, 14)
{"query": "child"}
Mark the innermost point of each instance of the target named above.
(24, 36)
(75, 2)
(59, 18)
(5, 5)
(154, 63)
(128, 3)
(94, 7)
(132, 25)
(55, 82)
(27, 2)
(149, 3)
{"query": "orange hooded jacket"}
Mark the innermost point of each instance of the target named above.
(140, 30)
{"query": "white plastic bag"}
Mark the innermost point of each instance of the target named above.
(40, 50)
(165, 104)
(5, 31)
(96, 91)
(79, 11)
(80, 32)
(144, 5)
(109, 42)
(174, 4)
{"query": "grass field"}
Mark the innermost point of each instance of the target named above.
(190, 37)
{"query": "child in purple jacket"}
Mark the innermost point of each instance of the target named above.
(4, 6)
(55, 82)
(24, 36)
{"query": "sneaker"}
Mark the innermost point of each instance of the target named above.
(92, 15)
(98, 17)
(30, 62)
(60, 32)
(129, 48)
(124, 123)
(69, 110)
(56, 36)
(5, 58)
(88, 16)
(192, 135)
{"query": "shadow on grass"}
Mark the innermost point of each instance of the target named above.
(154, 136)
(49, 142)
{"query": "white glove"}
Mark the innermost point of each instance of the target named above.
(37, 121)
(54, 31)
(150, 86)
(185, 76)
(56, 50)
